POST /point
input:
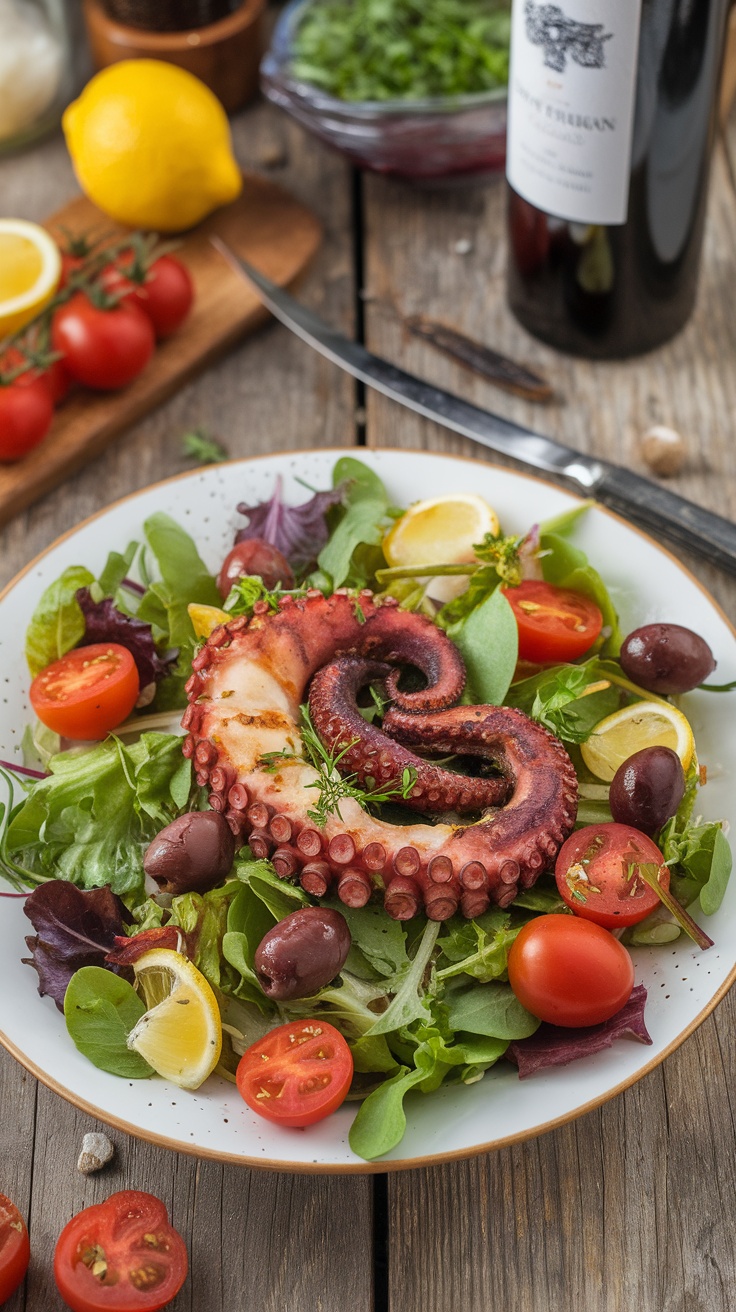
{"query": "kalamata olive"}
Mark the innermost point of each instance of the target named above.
(666, 658)
(254, 556)
(647, 789)
(302, 953)
(192, 854)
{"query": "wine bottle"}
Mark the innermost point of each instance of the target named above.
(612, 109)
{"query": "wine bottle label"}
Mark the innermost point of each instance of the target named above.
(572, 84)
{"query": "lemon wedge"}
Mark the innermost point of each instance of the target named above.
(180, 1035)
(644, 724)
(30, 269)
(441, 531)
(206, 618)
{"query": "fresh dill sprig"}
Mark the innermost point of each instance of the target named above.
(333, 787)
(249, 589)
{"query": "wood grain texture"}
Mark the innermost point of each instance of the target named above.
(266, 226)
(630, 1208)
(256, 1240)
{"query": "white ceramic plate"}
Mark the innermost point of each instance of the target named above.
(684, 984)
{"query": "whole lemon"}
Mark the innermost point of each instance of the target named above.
(150, 145)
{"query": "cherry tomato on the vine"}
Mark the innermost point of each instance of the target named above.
(88, 692)
(54, 374)
(102, 348)
(555, 624)
(26, 411)
(123, 1255)
(596, 873)
(15, 1250)
(297, 1074)
(164, 291)
(569, 972)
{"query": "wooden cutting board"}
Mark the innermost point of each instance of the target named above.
(266, 226)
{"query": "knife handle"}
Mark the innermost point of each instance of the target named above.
(662, 512)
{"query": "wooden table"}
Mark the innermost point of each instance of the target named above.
(630, 1208)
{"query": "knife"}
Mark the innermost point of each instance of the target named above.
(655, 508)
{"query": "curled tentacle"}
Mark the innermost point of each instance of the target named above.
(376, 759)
(245, 693)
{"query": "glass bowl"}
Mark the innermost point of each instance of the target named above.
(422, 140)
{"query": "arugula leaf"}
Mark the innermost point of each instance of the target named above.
(567, 566)
(489, 644)
(490, 1009)
(92, 818)
(479, 948)
(411, 999)
(57, 623)
(363, 523)
(101, 1010)
(569, 700)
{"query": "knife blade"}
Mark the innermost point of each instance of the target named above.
(655, 508)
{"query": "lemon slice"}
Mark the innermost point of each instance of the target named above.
(206, 618)
(645, 724)
(441, 531)
(30, 269)
(180, 1035)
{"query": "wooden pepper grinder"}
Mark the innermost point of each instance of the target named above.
(220, 41)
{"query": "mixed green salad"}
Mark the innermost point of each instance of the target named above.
(420, 1004)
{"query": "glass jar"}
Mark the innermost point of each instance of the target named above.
(36, 80)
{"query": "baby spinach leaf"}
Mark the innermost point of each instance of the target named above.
(489, 643)
(276, 894)
(567, 520)
(101, 1010)
(713, 892)
(57, 624)
(381, 940)
(362, 523)
(381, 1119)
(372, 1053)
(116, 569)
(700, 861)
(490, 1009)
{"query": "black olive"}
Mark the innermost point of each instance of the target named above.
(192, 854)
(666, 658)
(647, 789)
(302, 953)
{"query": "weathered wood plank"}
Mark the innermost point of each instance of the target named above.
(629, 1207)
(17, 1124)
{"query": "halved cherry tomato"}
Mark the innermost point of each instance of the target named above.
(592, 873)
(569, 972)
(297, 1074)
(123, 1254)
(102, 348)
(555, 624)
(15, 1250)
(88, 692)
(164, 291)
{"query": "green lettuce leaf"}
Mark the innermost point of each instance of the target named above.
(488, 640)
(490, 1009)
(91, 820)
(57, 624)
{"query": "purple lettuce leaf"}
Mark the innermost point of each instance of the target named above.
(298, 532)
(74, 928)
(105, 623)
(552, 1045)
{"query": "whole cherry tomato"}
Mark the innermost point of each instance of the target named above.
(102, 348)
(15, 1250)
(592, 873)
(164, 291)
(88, 692)
(555, 624)
(54, 374)
(254, 556)
(123, 1255)
(569, 972)
(26, 411)
(297, 1074)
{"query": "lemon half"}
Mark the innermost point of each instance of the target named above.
(441, 531)
(180, 1035)
(30, 269)
(644, 724)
